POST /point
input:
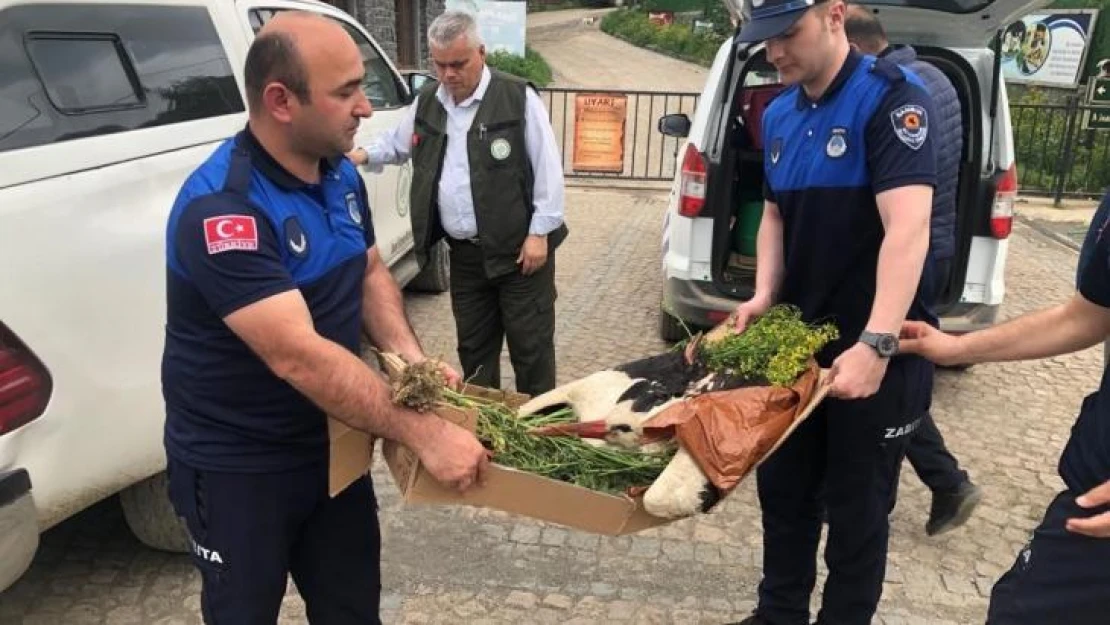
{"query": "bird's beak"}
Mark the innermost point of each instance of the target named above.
(582, 429)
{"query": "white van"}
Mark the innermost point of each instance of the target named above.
(708, 236)
(105, 108)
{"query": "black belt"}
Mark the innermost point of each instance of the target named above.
(472, 241)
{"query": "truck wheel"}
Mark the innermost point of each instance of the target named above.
(669, 328)
(436, 275)
(151, 517)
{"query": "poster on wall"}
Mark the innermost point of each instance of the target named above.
(1048, 48)
(500, 24)
(599, 132)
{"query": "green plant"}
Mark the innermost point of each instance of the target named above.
(531, 66)
(676, 39)
(570, 459)
(1040, 129)
(777, 347)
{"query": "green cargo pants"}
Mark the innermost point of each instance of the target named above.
(515, 307)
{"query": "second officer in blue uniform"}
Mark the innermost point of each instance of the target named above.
(849, 175)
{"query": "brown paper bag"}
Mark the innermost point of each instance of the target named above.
(729, 432)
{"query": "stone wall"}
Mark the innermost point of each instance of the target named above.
(380, 18)
(432, 10)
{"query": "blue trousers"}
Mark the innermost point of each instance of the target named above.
(1059, 577)
(250, 531)
(853, 449)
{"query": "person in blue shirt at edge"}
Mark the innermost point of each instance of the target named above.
(1063, 574)
(955, 496)
(272, 276)
(849, 169)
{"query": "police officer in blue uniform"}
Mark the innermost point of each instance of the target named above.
(955, 496)
(272, 276)
(849, 174)
(1063, 574)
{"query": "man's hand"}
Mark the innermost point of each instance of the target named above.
(748, 311)
(454, 457)
(1097, 526)
(920, 338)
(358, 156)
(533, 255)
(450, 376)
(857, 373)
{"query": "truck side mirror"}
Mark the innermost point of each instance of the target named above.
(416, 80)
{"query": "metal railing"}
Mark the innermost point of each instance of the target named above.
(1056, 154)
(648, 154)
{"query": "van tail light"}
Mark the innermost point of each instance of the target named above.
(691, 199)
(25, 384)
(1002, 212)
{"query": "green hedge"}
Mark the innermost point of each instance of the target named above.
(678, 40)
(531, 66)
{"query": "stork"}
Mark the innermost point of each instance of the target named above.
(612, 406)
(681, 490)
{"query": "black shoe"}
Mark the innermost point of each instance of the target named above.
(752, 620)
(952, 509)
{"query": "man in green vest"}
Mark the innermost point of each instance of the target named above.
(487, 176)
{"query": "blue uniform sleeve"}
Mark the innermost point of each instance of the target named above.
(768, 192)
(229, 253)
(1090, 242)
(1094, 263)
(900, 150)
(367, 216)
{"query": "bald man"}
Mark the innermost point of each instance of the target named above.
(272, 276)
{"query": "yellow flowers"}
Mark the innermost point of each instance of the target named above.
(775, 348)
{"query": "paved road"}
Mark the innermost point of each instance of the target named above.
(1007, 423)
(580, 55)
(584, 58)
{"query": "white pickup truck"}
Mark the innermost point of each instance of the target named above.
(105, 108)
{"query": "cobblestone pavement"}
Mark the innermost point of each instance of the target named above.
(1066, 224)
(1069, 233)
(1007, 423)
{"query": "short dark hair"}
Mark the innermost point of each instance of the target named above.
(273, 57)
(862, 27)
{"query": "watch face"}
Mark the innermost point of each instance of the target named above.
(888, 344)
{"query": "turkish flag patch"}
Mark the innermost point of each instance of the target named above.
(230, 232)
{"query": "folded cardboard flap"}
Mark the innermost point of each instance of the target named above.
(350, 455)
(815, 400)
(518, 492)
(506, 489)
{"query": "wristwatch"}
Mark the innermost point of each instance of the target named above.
(884, 343)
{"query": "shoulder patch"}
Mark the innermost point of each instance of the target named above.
(295, 238)
(354, 211)
(888, 70)
(911, 125)
(225, 233)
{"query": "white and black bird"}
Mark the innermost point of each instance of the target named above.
(612, 406)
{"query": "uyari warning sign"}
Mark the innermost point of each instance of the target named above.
(599, 121)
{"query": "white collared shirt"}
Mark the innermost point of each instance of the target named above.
(456, 203)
